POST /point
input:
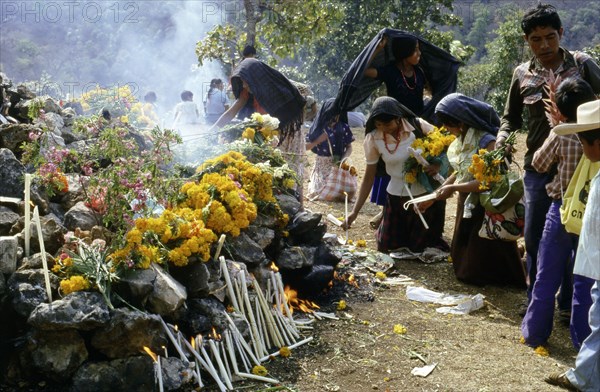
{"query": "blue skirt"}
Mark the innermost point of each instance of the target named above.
(379, 192)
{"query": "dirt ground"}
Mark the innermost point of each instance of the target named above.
(361, 352)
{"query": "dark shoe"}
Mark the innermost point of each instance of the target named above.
(561, 380)
(564, 317)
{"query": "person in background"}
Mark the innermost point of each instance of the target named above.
(274, 94)
(216, 102)
(391, 128)
(356, 120)
(557, 248)
(331, 140)
(187, 116)
(249, 52)
(405, 81)
(543, 31)
(475, 260)
(586, 374)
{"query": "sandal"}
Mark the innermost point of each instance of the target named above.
(561, 380)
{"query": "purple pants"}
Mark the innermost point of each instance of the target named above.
(537, 203)
(555, 257)
(582, 302)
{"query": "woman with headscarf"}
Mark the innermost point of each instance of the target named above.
(275, 95)
(391, 128)
(405, 81)
(476, 260)
(331, 139)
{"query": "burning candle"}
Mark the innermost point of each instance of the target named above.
(157, 367)
(27, 201)
(346, 213)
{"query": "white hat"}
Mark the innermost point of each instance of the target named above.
(588, 118)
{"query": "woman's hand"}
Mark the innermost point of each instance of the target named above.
(445, 192)
(349, 219)
(432, 169)
(422, 207)
(382, 43)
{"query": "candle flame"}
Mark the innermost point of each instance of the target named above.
(193, 341)
(274, 267)
(349, 278)
(151, 353)
(291, 296)
(214, 334)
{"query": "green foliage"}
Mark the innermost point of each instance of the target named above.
(490, 79)
(281, 28)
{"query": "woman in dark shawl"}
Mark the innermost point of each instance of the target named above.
(275, 95)
(331, 140)
(391, 128)
(476, 260)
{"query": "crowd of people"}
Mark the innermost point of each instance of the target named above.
(561, 269)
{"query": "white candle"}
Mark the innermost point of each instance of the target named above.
(36, 217)
(346, 213)
(416, 209)
(159, 374)
(27, 201)
(222, 370)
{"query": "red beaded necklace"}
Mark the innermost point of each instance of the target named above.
(396, 138)
(414, 77)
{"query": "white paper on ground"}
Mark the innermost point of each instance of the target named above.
(423, 371)
(461, 303)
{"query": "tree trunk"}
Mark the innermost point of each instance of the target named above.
(252, 18)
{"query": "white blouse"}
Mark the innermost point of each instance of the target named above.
(375, 147)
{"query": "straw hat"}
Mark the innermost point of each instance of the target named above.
(588, 118)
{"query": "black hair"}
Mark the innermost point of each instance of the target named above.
(542, 15)
(249, 50)
(150, 97)
(213, 86)
(571, 93)
(187, 95)
(446, 119)
(404, 47)
(385, 117)
(590, 136)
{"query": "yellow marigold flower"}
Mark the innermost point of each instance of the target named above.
(349, 242)
(124, 119)
(361, 243)
(248, 133)
(74, 283)
(410, 177)
(400, 329)
(285, 352)
(56, 268)
(134, 236)
(257, 117)
(380, 275)
(450, 259)
(289, 183)
(542, 351)
(522, 340)
(341, 305)
(258, 369)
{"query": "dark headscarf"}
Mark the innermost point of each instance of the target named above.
(275, 93)
(470, 111)
(440, 68)
(323, 118)
(389, 105)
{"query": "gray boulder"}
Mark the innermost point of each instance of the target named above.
(11, 175)
(7, 219)
(243, 249)
(57, 354)
(27, 290)
(129, 331)
(81, 216)
(8, 254)
(82, 310)
(167, 294)
(129, 374)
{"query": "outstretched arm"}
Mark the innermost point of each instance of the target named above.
(363, 193)
(232, 111)
(372, 72)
